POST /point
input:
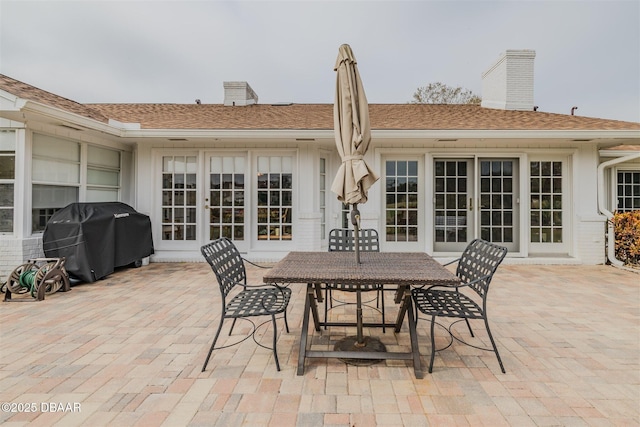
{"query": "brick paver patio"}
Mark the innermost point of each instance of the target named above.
(128, 350)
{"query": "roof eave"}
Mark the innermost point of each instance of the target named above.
(56, 116)
(268, 134)
(575, 135)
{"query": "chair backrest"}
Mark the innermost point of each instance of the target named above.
(341, 240)
(227, 264)
(479, 259)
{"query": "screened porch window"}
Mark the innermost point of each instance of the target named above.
(56, 177)
(103, 174)
(7, 178)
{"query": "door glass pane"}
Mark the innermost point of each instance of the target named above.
(226, 197)
(451, 200)
(496, 201)
(402, 201)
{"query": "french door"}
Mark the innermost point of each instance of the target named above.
(475, 198)
(225, 199)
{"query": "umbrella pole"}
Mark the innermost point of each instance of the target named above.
(355, 220)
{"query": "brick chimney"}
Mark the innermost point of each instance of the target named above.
(508, 83)
(239, 94)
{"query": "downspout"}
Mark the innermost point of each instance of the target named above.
(611, 241)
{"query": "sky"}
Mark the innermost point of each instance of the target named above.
(587, 52)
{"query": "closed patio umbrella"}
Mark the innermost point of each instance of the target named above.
(354, 177)
(353, 134)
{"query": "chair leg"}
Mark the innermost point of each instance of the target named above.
(469, 326)
(275, 340)
(213, 344)
(493, 343)
(433, 343)
(286, 324)
(384, 330)
(327, 297)
(232, 326)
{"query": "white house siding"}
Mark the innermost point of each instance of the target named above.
(583, 228)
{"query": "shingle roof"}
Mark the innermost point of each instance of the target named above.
(314, 116)
(320, 116)
(32, 93)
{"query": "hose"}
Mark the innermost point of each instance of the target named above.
(27, 280)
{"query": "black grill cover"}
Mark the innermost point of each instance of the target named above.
(95, 238)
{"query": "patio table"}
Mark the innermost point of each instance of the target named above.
(400, 269)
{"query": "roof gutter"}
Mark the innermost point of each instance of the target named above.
(611, 253)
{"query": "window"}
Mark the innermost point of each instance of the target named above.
(179, 192)
(628, 190)
(275, 197)
(546, 202)
(345, 215)
(323, 199)
(103, 174)
(401, 201)
(55, 175)
(7, 178)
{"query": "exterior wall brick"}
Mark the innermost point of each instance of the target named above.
(14, 252)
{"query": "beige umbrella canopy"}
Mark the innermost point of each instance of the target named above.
(352, 131)
(354, 178)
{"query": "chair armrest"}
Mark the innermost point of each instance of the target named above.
(254, 264)
(461, 285)
(451, 262)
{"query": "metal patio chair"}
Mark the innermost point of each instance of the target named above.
(341, 240)
(475, 269)
(240, 300)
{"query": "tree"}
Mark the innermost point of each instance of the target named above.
(440, 93)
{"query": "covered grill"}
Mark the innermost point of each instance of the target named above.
(95, 238)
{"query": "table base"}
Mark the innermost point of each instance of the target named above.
(368, 345)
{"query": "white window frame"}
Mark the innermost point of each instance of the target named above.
(635, 168)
